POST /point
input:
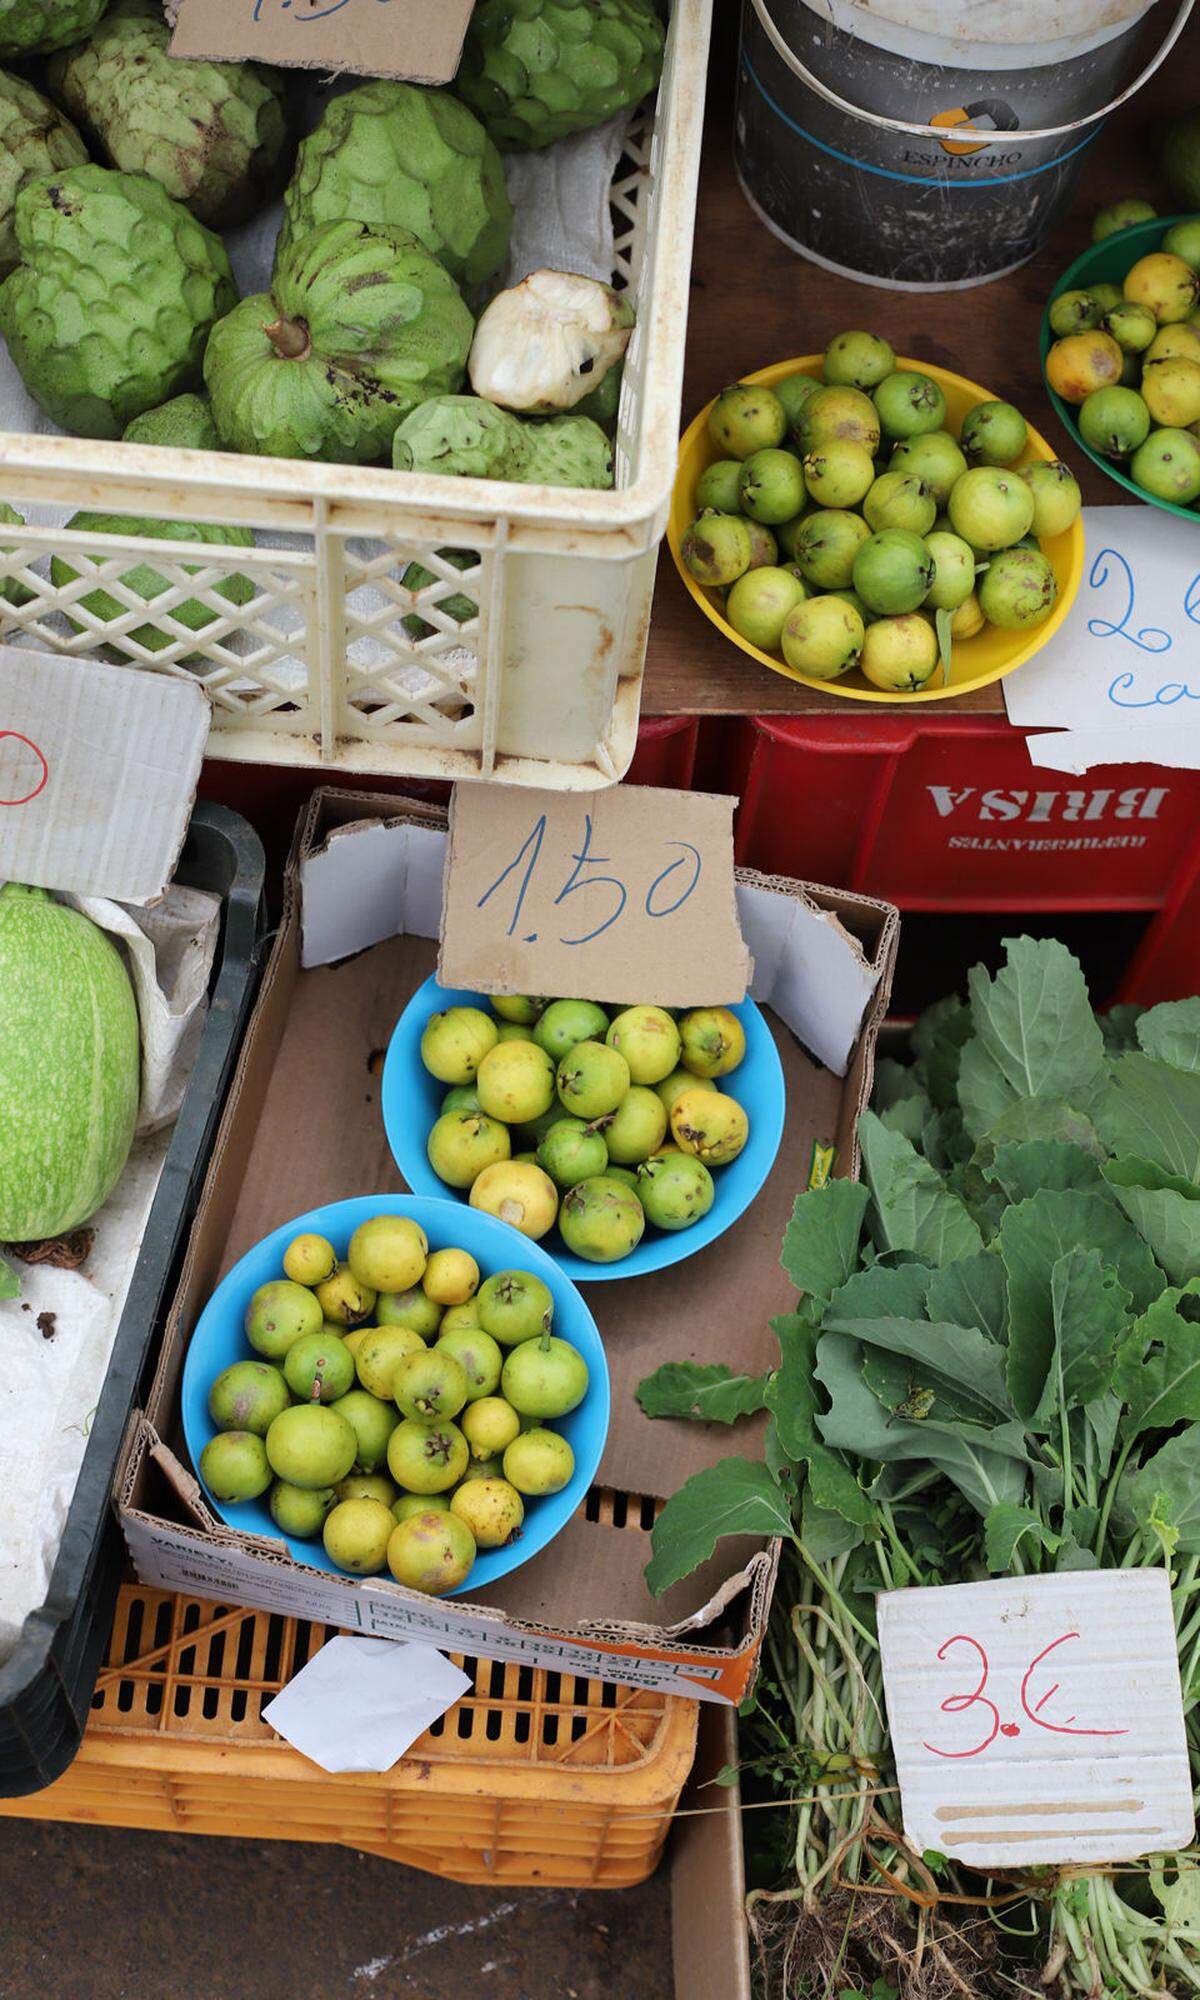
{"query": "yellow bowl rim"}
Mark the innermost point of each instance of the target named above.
(709, 603)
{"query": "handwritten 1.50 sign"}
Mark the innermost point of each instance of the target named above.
(406, 38)
(621, 895)
(1038, 1719)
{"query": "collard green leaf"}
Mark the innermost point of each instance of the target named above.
(1152, 1111)
(1034, 1034)
(937, 1039)
(1165, 1493)
(1033, 1236)
(734, 1497)
(826, 1535)
(883, 1291)
(1158, 1366)
(944, 1140)
(820, 1244)
(1047, 1118)
(913, 1207)
(1090, 1309)
(1102, 1417)
(709, 1392)
(1165, 1211)
(10, 1285)
(794, 1404)
(1022, 1168)
(958, 1358)
(1170, 1033)
(971, 1292)
(1118, 1025)
(907, 1117)
(894, 1081)
(1006, 1526)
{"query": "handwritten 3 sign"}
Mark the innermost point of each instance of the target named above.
(406, 38)
(1038, 1719)
(623, 895)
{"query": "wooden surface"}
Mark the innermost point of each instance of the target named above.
(755, 302)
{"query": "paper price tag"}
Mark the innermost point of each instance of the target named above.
(620, 895)
(367, 37)
(1038, 1719)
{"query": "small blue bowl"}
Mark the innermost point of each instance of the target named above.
(412, 1101)
(219, 1340)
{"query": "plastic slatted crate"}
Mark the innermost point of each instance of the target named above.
(532, 1778)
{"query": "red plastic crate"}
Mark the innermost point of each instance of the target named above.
(948, 814)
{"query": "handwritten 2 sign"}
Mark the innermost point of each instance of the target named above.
(619, 895)
(406, 38)
(1123, 674)
(1038, 1719)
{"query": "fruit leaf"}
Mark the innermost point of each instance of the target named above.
(710, 1393)
(1034, 1034)
(1034, 1234)
(1170, 1033)
(1152, 1111)
(1158, 1366)
(915, 1209)
(971, 1292)
(733, 1497)
(820, 1244)
(10, 1284)
(943, 622)
(1165, 1211)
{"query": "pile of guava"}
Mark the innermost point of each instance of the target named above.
(396, 1404)
(601, 1121)
(848, 524)
(1128, 357)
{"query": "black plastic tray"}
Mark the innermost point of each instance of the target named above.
(46, 1684)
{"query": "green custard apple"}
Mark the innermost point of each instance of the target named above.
(118, 288)
(538, 70)
(35, 139)
(361, 325)
(214, 135)
(183, 424)
(147, 582)
(410, 158)
(467, 437)
(31, 27)
(11, 590)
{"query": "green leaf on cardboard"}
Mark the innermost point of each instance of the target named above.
(820, 1244)
(1034, 1034)
(1023, 1167)
(1164, 1209)
(733, 1497)
(706, 1391)
(1170, 1033)
(914, 1209)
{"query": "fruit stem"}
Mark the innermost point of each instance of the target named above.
(290, 338)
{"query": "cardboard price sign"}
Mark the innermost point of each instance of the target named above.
(98, 766)
(620, 895)
(1038, 1719)
(404, 38)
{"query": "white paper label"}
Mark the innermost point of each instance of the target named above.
(169, 1560)
(1038, 1719)
(1122, 676)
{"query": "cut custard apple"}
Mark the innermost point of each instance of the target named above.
(548, 342)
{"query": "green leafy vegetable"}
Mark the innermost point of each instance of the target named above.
(710, 1392)
(1034, 1035)
(1165, 1211)
(915, 1210)
(820, 1244)
(1153, 1112)
(1170, 1033)
(734, 1497)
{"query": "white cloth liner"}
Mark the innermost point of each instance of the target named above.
(49, 1387)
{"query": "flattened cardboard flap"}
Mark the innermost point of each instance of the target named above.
(98, 770)
(407, 38)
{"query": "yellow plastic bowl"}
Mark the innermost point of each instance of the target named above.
(974, 662)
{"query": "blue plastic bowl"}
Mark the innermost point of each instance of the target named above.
(219, 1340)
(412, 1101)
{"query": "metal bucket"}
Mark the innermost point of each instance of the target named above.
(918, 156)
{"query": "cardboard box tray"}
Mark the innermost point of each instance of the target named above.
(303, 1126)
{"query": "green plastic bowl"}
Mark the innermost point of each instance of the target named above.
(1107, 263)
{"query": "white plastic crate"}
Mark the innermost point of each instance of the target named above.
(317, 668)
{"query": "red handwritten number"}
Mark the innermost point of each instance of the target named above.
(1057, 1728)
(25, 797)
(955, 1703)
